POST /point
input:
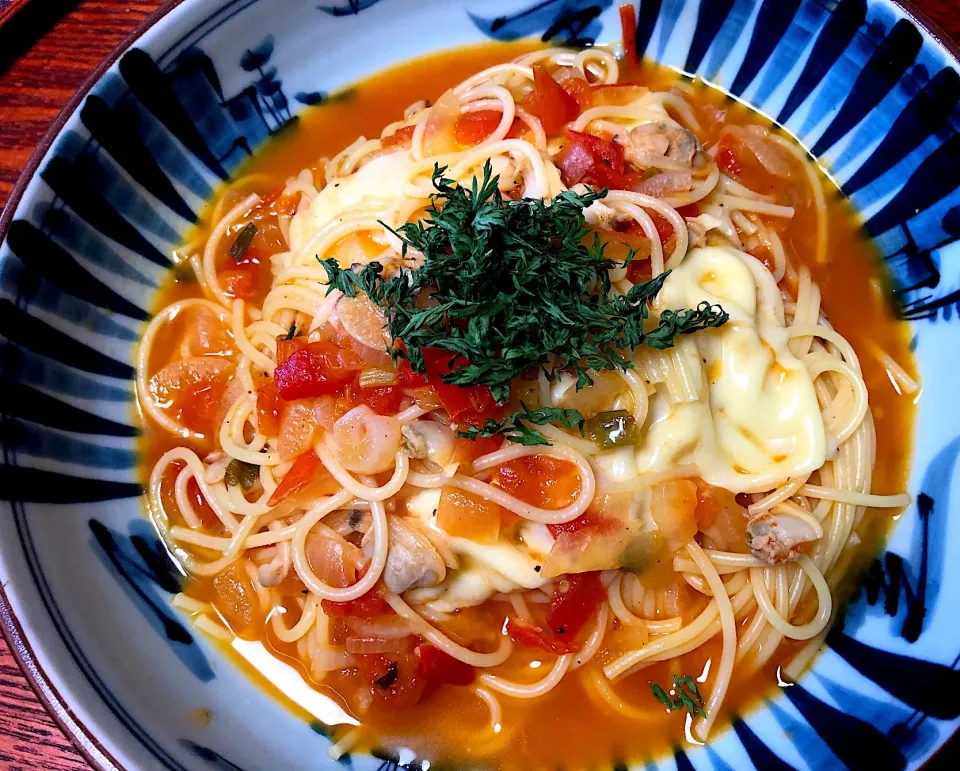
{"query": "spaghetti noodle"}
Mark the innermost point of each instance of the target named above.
(367, 532)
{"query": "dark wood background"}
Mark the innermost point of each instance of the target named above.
(47, 51)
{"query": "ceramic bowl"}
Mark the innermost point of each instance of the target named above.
(87, 237)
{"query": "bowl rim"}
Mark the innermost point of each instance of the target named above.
(83, 738)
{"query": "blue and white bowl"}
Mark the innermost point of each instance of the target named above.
(86, 585)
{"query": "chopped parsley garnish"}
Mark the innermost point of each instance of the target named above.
(516, 427)
(688, 696)
(244, 238)
(387, 679)
(512, 285)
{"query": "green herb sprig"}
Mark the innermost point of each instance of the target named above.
(512, 286)
(688, 696)
(517, 426)
(243, 240)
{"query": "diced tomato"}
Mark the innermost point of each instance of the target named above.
(580, 90)
(393, 680)
(200, 506)
(268, 406)
(300, 376)
(707, 510)
(269, 197)
(539, 480)
(398, 138)
(765, 256)
(628, 23)
(721, 518)
(588, 522)
(275, 203)
(301, 474)
(243, 278)
(618, 246)
(617, 94)
(407, 377)
(571, 609)
(440, 668)
(662, 224)
(466, 404)
(287, 345)
(384, 400)
(690, 210)
(538, 637)
(369, 605)
(593, 160)
(462, 514)
(199, 402)
(471, 404)
(426, 398)
(517, 131)
(236, 600)
(374, 666)
(549, 102)
(241, 282)
(315, 369)
(727, 160)
(639, 270)
(473, 127)
(468, 450)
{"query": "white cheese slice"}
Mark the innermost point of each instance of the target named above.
(485, 568)
(759, 422)
(376, 185)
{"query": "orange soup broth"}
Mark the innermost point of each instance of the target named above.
(572, 726)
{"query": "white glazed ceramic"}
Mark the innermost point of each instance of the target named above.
(87, 586)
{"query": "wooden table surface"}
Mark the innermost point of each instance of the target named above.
(47, 51)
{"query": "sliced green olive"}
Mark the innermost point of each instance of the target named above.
(616, 428)
(644, 552)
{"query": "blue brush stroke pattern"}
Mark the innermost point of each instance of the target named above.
(565, 22)
(348, 8)
(147, 574)
(165, 135)
(211, 758)
(760, 754)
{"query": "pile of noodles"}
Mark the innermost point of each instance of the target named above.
(753, 606)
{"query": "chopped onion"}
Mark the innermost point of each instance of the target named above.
(664, 183)
(330, 660)
(363, 321)
(377, 377)
(363, 646)
(325, 412)
(438, 137)
(769, 155)
(334, 560)
(348, 521)
(297, 427)
(391, 627)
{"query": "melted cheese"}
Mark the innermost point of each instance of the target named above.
(757, 421)
(375, 185)
(380, 182)
(485, 569)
